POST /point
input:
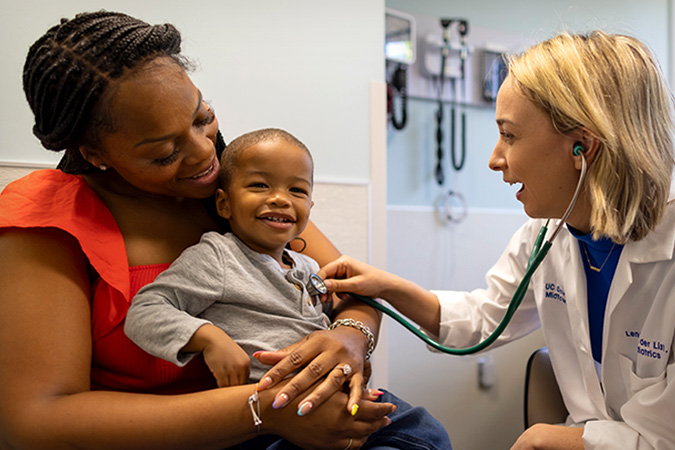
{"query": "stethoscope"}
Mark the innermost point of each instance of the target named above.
(537, 255)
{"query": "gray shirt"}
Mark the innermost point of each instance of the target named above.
(221, 281)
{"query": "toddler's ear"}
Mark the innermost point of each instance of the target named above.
(223, 204)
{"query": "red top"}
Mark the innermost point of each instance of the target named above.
(51, 198)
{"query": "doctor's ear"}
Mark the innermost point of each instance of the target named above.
(587, 145)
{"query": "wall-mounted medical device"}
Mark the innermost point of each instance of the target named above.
(451, 43)
(399, 50)
(446, 59)
(482, 46)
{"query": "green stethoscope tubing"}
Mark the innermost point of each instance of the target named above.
(536, 257)
(539, 251)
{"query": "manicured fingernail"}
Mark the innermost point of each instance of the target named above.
(255, 355)
(388, 422)
(355, 409)
(264, 384)
(280, 401)
(375, 392)
(304, 408)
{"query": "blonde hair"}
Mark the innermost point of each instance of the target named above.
(612, 86)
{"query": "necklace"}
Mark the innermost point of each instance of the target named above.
(588, 260)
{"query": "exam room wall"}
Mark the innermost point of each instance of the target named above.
(457, 256)
(291, 64)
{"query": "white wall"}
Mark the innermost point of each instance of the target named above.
(297, 64)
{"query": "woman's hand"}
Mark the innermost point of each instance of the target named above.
(550, 437)
(329, 427)
(323, 354)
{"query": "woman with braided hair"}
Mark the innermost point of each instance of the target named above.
(131, 192)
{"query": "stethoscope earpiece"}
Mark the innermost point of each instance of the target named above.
(578, 149)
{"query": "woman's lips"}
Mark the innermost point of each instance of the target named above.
(520, 192)
(204, 173)
(208, 175)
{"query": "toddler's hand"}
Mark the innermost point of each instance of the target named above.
(228, 362)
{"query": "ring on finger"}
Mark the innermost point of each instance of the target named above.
(350, 439)
(346, 370)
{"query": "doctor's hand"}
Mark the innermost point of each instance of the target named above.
(550, 437)
(346, 274)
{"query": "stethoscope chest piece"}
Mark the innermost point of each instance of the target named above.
(316, 286)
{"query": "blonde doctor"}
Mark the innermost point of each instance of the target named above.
(605, 295)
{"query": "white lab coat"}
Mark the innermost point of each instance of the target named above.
(634, 407)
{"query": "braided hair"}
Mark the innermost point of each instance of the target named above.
(68, 70)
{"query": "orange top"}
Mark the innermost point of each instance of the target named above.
(51, 198)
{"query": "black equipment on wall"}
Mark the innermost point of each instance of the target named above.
(399, 51)
(457, 162)
(397, 87)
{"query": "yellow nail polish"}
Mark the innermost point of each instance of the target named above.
(355, 409)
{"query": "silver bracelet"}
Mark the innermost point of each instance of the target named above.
(254, 404)
(359, 326)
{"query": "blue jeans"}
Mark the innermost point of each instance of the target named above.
(410, 429)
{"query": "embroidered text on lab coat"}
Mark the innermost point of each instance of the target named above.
(555, 292)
